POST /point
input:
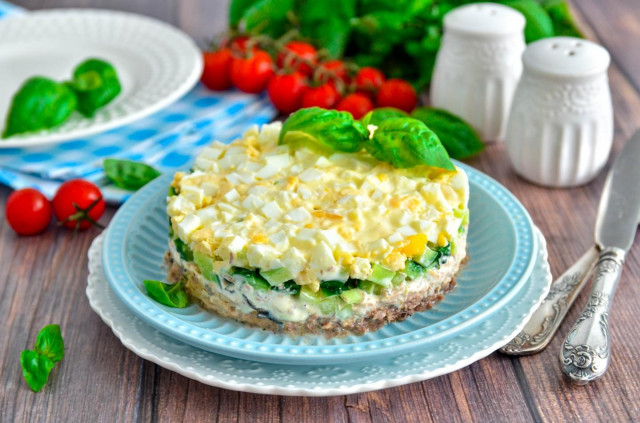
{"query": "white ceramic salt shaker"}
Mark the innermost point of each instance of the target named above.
(560, 128)
(478, 66)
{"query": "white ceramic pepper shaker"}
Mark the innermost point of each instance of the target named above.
(560, 128)
(478, 66)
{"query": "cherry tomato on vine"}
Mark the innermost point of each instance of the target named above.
(325, 96)
(285, 91)
(397, 93)
(251, 74)
(238, 46)
(357, 104)
(299, 56)
(28, 211)
(78, 204)
(369, 80)
(216, 74)
(331, 69)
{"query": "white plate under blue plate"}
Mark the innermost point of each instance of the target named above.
(501, 245)
(443, 356)
(156, 64)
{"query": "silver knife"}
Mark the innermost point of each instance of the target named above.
(586, 350)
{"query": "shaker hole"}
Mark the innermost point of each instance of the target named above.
(554, 46)
(492, 12)
(577, 44)
(572, 53)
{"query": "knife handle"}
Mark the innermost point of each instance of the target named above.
(586, 350)
(543, 324)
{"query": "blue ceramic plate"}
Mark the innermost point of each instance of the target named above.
(501, 246)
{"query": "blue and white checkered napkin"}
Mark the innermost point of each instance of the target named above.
(167, 140)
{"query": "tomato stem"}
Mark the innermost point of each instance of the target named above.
(82, 215)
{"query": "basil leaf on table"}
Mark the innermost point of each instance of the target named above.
(37, 364)
(457, 137)
(129, 175)
(171, 295)
(324, 131)
(50, 343)
(35, 369)
(40, 103)
(538, 24)
(407, 142)
(377, 116)
(95, 83)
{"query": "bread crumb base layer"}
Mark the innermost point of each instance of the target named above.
(328, 326)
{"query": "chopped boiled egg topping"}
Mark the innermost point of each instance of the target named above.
(256, 204)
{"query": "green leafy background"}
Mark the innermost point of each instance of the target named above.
(401, 37)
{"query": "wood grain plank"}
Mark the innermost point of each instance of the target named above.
(42, 280)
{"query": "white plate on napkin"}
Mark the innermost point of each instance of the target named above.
(156, 64)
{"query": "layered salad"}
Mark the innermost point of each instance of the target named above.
(299, 238)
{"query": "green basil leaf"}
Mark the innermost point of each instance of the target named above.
(237, 8)
(563, 22)
(323, 131)
(327, 23)
(50, 343)
(267, 17)
(35, 369)
(539, 23)
(96, 84)
(128, 174)
(407, 142)
(332, 288)
(289, 287)
(457, 137)
(171, 295)
(377, 116)
(40, 103)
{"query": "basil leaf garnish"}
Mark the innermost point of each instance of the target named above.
(377, 116)
(407, 142)
(128, 174)
(323, 131)
(171, 295)
(457, 137)
(40, 103)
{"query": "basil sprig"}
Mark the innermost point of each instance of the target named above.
(460, 140)
(40, 103)
(38, 363)
(171, 295)
(402, 141)
(128, 174)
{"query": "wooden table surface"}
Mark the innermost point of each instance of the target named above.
(43, 279)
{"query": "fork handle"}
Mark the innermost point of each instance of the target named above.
(586, 350)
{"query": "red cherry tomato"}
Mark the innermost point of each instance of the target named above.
(369, 80)
(299, 56)
(331, 69)
(397, 93)
(78, 204)
(28, 211)
(357, 104)
(285, 91)
(325, 96)
(251, 74)
(217, 67)
(238, 46)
